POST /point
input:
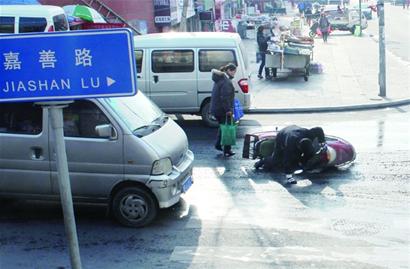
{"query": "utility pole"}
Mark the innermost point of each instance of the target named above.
(382, 50)
(360, 16)
(182, 24)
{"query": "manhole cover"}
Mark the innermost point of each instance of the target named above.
(356, 228)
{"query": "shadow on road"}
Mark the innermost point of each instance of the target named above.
(30, 228)
(322, 190)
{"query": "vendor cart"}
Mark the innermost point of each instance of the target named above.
(297, 63)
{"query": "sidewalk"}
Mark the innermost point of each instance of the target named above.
(349, 80)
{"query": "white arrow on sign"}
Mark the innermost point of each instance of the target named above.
(110, 81)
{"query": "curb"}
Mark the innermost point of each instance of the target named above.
(328, 109)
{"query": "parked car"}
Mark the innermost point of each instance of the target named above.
(16, 19)
(367, 9)
(398, 2)
(345, 20)
(118, 150)
(174, 69)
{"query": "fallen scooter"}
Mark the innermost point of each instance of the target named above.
(335, 152)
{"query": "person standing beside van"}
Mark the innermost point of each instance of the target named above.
(222, 101)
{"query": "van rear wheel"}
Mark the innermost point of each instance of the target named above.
(207, 117)
(134, 207)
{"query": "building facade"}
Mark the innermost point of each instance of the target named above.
(151, 16)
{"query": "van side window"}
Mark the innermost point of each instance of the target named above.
(21, 118)
(60, 23)
(138, 59)
(172, 61)
(6, 24)
(28, 25)
(209, 59)
(81, 117)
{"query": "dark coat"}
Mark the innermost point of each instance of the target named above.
(223, 94)
(324, 24)
(262, 42)
(288, 153)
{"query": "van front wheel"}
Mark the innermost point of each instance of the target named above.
(134, 207)
(207, 117)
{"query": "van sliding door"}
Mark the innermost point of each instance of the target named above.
(24, 149)
(212, 59)
(95, 163)
(173, 83)
(142, 63)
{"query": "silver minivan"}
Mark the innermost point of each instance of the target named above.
(15, 19)
(174, 69)
(118, 149)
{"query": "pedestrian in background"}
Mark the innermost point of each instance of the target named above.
(324, 26)
(222, 101)
(301, 7)
(308, 15)
(263, 47)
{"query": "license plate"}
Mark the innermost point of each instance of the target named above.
(187, 184)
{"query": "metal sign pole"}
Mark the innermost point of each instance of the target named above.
(360, 16)
(69, 69)
(382, 50)
(56, 117)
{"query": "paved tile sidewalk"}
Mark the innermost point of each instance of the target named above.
(350, 77)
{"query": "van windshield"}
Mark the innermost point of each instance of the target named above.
(135, 111)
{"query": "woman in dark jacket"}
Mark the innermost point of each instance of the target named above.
(222, 100)
(324, 26)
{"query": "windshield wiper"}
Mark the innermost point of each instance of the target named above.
(149, 128)
(163, 118)
(146, 126)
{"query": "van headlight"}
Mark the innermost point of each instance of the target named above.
(162, 167)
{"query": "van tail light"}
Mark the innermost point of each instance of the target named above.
(243, 84)
(51, 28)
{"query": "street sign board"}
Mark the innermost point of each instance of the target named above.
(67, 65)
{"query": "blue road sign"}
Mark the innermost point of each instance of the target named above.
(67, 65)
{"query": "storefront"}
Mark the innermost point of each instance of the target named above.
(206, 12)
(168, 15)
(139, 14)
(265, 6)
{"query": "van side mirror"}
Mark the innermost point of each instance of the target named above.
(106, 131)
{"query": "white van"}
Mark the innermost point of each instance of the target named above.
(118, 153)
(16, 19)
(174, 69)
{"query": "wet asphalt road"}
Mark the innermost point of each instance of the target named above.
(235, 217)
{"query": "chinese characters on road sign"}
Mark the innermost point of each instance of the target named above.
(47, 59)
(67, 65)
